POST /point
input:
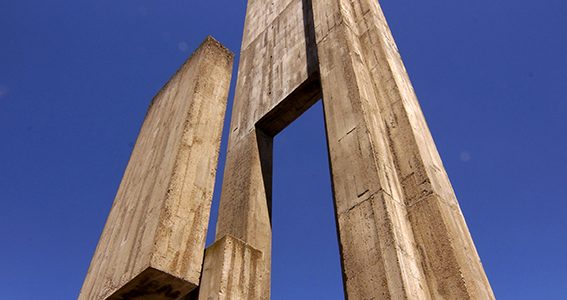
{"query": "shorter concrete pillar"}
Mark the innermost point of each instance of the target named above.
(232, 270)
(153, 243)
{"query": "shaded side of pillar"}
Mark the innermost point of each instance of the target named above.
(442, 245)
(153, 242)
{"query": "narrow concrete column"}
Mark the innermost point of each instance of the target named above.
(446, 254)
(275, 85)
(152, 245)
(244, 214)
(377, 245)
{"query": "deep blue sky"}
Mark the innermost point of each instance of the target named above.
(76, 78)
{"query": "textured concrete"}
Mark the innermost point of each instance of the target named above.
(401, 232)
(152, 246)
(232, 270)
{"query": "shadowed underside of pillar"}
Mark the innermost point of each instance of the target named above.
(152, 245)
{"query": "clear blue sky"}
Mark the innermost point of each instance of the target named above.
(76, 78)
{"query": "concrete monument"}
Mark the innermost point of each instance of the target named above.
(401, 232)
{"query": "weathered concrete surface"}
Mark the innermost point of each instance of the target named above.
(401, 232)
(152, 246)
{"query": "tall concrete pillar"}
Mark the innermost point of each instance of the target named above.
(377, 243)
(356, 48)
(152, 245)
(401, 232)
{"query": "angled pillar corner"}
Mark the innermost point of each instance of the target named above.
(152, 245)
